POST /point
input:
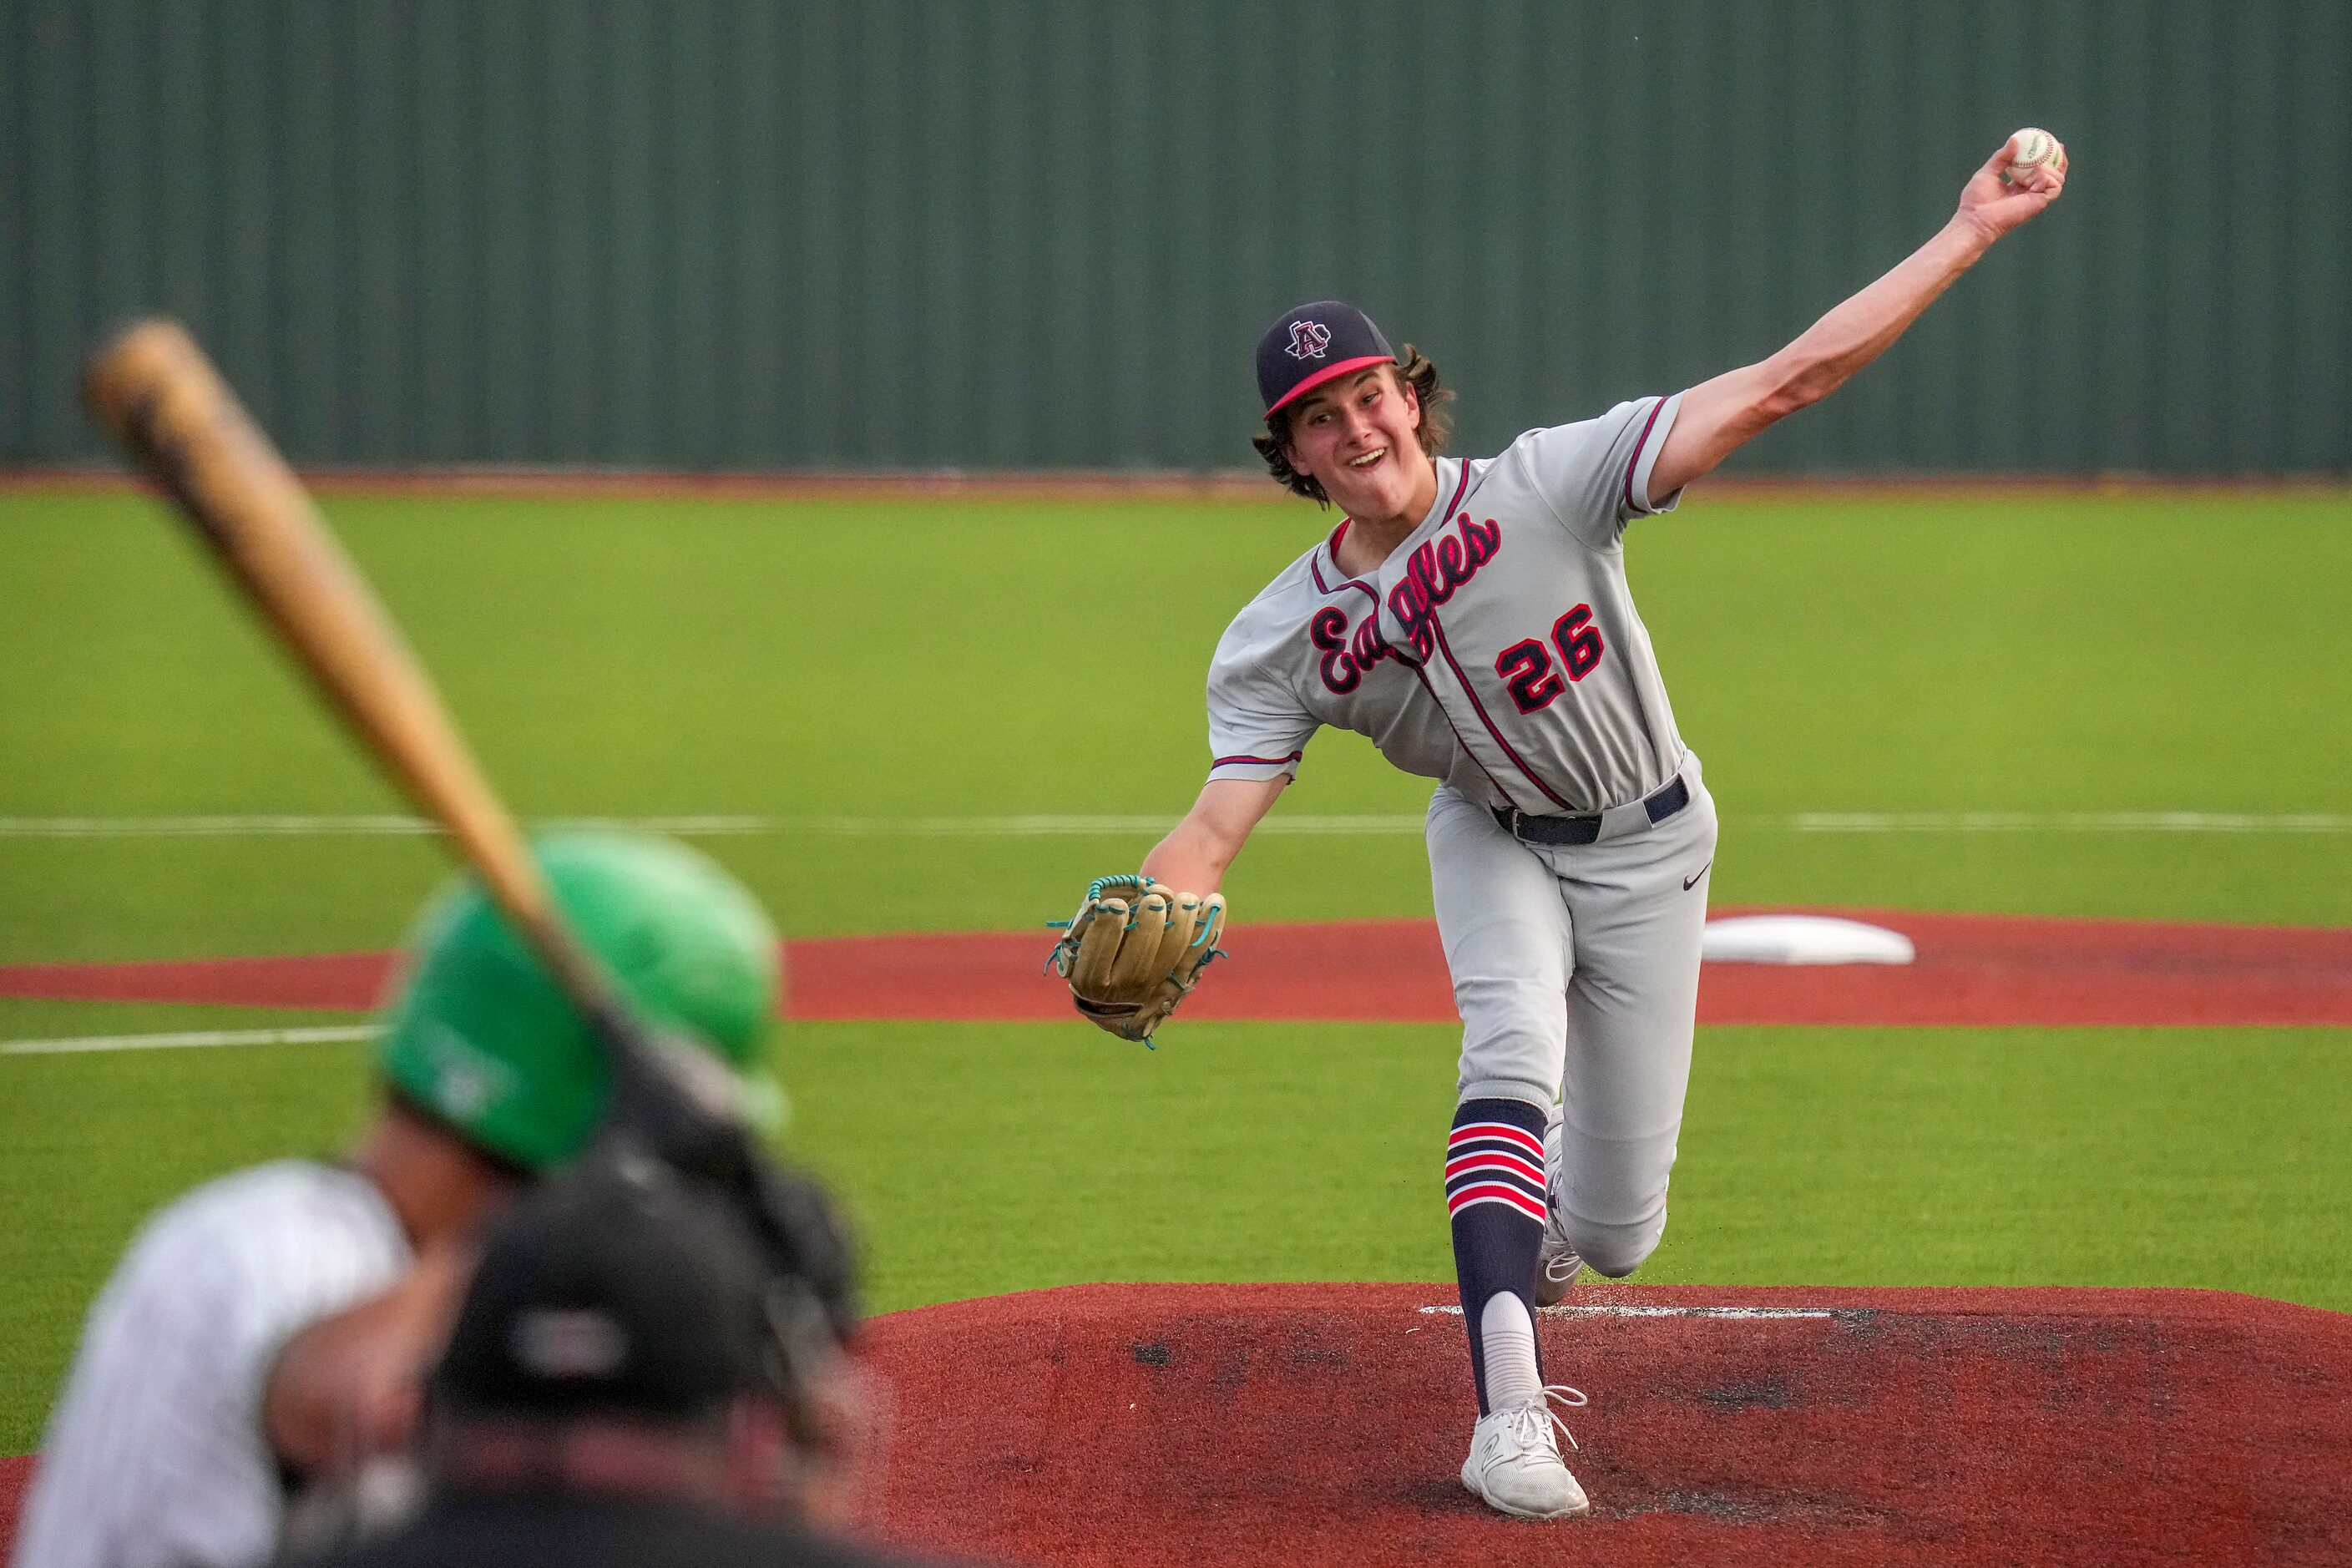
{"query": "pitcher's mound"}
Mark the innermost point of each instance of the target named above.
(1326, 1423)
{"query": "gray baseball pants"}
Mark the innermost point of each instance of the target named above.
(1575, 972)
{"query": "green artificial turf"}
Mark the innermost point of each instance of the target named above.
(986, 1157)
(874, 660)
(1038, 1156)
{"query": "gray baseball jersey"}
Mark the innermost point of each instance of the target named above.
(155, 1454)
(1497, 649)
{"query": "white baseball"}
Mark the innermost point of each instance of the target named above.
(2034, 146)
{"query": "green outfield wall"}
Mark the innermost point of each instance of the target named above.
(1036, 234)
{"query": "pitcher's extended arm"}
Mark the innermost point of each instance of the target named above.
(1193, 856)
(1719, 417)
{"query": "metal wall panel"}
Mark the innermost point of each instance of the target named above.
(920, 234)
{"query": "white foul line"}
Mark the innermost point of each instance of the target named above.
(1049, 825)
(321, 1034)
(705, 826)
(2070, 822)
(263, 826)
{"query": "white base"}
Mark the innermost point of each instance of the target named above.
(1803, 938)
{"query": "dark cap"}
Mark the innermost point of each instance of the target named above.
(1312, 344)
(615, 1289)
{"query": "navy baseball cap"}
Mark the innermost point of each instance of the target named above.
(1313, 343)
(616, 1289)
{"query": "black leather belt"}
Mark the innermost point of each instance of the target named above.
(1563, 830)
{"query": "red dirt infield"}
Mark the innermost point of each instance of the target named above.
(1239, 1425)
(572, 483)
(16, 1471)
(1996, 970)
(1323, 1423)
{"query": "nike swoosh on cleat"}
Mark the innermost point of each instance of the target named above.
(1692, 881)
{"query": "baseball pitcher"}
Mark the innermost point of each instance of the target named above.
(1472, 617)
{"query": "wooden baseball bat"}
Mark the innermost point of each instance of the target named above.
(155, 392)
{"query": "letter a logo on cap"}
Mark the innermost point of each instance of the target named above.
(1308, 340)
(1309, 344)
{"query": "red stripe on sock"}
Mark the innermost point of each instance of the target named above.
(1495, 1192)
(1499, 1160)
(1503, 1129)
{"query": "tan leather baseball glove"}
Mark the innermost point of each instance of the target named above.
(1134, 950)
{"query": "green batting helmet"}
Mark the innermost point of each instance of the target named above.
(480, 1038)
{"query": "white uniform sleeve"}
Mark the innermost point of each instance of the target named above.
(1595, 473)
(1258, 728)
(154, 1455)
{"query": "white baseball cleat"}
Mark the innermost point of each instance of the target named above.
(1557, 1263)
(1514, 1463)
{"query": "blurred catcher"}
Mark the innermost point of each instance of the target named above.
(261, 1346)
(622, 1386)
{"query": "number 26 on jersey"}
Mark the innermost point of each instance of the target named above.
(1527, 667)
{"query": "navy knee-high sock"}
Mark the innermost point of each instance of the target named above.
(1495, 1195)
